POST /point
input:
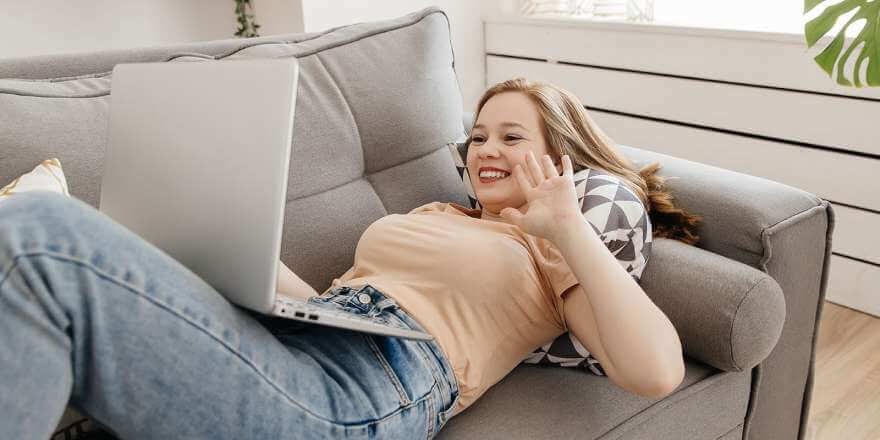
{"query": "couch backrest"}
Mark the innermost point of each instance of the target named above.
(376, 105)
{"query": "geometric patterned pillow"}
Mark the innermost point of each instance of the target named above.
(622, 223)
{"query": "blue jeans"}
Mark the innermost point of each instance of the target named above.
(94, 316)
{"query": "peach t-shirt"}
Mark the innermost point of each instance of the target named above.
(488, 292)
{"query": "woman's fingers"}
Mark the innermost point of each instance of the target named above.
(535, 169)
(520, 175)
(549, 168)
(527, 172)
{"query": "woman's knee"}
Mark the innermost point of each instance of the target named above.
(39, 208)
(42, 220)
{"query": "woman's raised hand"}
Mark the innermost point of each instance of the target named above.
(551, 198)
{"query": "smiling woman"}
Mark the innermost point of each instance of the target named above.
(517, 116)
(539, 134)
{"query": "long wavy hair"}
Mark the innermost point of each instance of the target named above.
(569, 130)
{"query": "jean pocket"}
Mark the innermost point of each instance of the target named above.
(446, 414)
(389, 370)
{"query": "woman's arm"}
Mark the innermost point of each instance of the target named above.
(289, 284)
(609, 313)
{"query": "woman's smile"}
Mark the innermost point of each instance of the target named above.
(489, 181)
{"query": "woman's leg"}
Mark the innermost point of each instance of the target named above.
(93, 314)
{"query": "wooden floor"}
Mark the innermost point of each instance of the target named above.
(846, 391)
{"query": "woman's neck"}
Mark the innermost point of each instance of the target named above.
(485, 214)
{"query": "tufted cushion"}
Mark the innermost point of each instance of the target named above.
(621, 221)
(377, 103)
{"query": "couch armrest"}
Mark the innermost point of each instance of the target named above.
(780, 230)
(727, 314)
(740, 211)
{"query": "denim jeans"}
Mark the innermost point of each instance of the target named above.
(95, 316)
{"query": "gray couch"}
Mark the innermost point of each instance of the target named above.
(377, 105)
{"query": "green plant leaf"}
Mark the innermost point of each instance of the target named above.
(810, 4)
(246, 21)
(869, 37)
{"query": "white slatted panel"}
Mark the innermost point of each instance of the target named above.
(855, 234)
(797, 116)
(833, 176)
(772, 59)
(854, 284)
(713, 122)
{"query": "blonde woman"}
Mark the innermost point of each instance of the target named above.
(93, 315)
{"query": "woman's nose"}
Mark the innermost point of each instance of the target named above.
(488, 149)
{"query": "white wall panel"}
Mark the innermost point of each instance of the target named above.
(804, 117)
(834, 176)
(854, 284)
(855, 234)
(805, 169)
(749, 102)
(766, 58)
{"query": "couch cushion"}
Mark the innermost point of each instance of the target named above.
(536, 401)
(376, 105)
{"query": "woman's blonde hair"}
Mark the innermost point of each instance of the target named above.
(570, 130)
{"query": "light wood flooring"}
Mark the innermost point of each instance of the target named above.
(846, 390)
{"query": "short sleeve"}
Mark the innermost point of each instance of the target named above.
(559, 275)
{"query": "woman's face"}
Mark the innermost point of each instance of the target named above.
(508, 127)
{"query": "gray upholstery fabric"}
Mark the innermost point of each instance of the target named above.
(727, 314)
(548, 402)
(377, 104)
(364, 142)
(89, 63)
(782, 231)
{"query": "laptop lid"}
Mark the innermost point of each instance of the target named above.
(197, 161)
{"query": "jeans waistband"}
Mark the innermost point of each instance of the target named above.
(379, 302)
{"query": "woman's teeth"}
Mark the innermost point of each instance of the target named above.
(493, 175)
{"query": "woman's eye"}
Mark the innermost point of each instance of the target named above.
(511, 138)
(477, 139)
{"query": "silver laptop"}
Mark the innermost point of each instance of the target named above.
(196, 163)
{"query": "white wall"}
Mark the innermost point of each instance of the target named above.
(64, 26)
(465, 17)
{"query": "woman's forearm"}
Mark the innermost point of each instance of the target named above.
(289, 284)
(635, 334)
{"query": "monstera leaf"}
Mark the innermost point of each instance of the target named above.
(819, 26)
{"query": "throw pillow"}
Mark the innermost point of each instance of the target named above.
(47, 176)
(619, 218)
